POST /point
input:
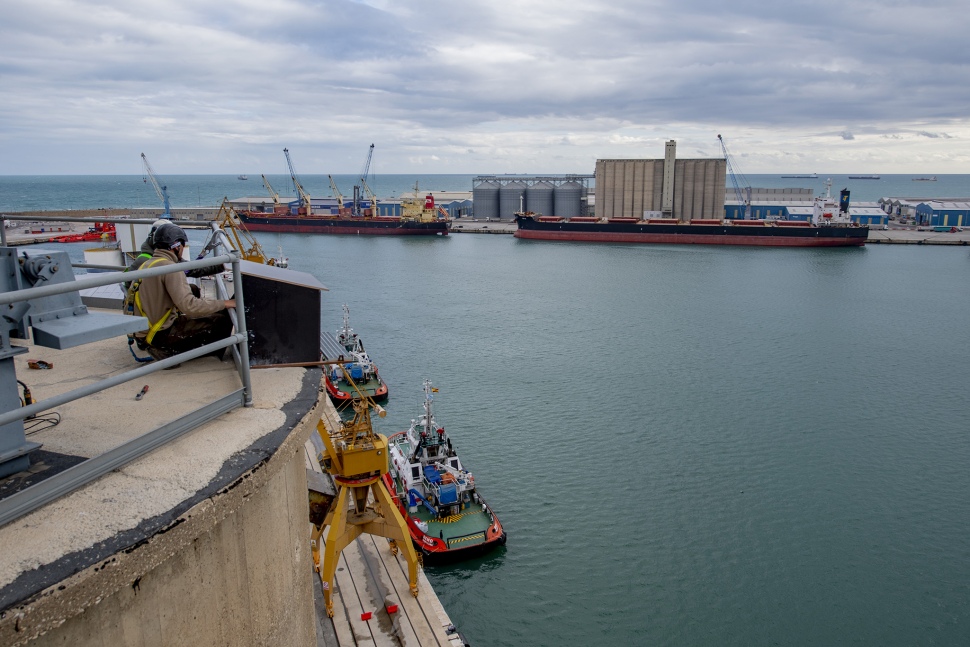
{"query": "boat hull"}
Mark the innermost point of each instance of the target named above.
(342, 394)
(441, 550)
(338, 225)
(686, 234)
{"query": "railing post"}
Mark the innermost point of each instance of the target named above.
(241, 330)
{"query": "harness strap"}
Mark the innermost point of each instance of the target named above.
(155, 327)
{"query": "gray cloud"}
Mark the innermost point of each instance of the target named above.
(471, 86)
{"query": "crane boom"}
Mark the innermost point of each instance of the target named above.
(732, 169)
(243, 241)
(304, 198)
(161, 190)
(274, 194)
(336, 193)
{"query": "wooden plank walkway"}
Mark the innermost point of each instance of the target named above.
(370, 579)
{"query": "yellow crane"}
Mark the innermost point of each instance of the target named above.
(337, 194)
(274, 194)
(228, 220)
(356, 457)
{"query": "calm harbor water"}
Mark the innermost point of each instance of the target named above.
(687, 445)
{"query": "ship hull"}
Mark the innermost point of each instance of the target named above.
(685, 234)
(383, 226)
(446, 549)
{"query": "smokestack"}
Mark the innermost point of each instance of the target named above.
(844, 201)
(670, 157)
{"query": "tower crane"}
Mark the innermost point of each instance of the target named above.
(306, 208)
(743, 198)
(361, 187)
(161, 190)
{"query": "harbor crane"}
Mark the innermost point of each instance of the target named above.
(361, 187)
(306, 208)
(161, 190)
(228, 220)
(272, 193)
(337, 195)
(356, 458)
(743, 197)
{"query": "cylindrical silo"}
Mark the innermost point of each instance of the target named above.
(539, 199)
(510, 199)
(569, 199)
(485, 200)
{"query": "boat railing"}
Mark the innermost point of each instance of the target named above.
(69, 480)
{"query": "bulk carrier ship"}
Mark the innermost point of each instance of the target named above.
(829, 227)
(681, 201)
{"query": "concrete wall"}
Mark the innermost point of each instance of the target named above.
(235, 570)
(627, 188)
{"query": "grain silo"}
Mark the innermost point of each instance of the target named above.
(569, 199)
(510, 198)
(539, 198)
(485, 200)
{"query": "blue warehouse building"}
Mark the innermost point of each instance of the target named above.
(943, 214)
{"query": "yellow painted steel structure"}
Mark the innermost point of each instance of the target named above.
(356, 457)
(228, 220)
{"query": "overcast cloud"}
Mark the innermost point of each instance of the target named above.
(467, 86)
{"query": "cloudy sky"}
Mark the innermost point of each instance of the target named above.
(466, 86)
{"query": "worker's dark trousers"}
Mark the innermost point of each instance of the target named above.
(186, 334)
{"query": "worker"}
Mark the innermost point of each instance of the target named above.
(148, 248)
(179, 320)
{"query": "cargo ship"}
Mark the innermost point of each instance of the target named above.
(417, 219)
(336, 224)
(830, 226)
(446, 516)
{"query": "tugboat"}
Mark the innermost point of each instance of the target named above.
(361, 370)
(446, 516)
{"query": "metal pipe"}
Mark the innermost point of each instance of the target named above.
(90, 389)
(122, 221)
(109, 278)
(95, 266)
(241, 330)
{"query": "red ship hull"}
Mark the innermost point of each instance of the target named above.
(684, 234)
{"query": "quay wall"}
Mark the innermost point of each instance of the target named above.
(235, 569)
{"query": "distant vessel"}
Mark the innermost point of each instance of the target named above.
(813, 176)
(932, 178)
(242, 177)
(863, 177)
(446, 516)
(361, 369)
(830, 226)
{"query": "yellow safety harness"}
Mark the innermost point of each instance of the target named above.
(133, 304)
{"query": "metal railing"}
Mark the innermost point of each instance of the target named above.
(65, 482)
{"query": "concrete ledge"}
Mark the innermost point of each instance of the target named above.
(227, 565)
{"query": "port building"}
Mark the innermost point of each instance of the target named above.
(941, 213)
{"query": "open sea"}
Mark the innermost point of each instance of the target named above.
(688, 445)
(45, 192)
